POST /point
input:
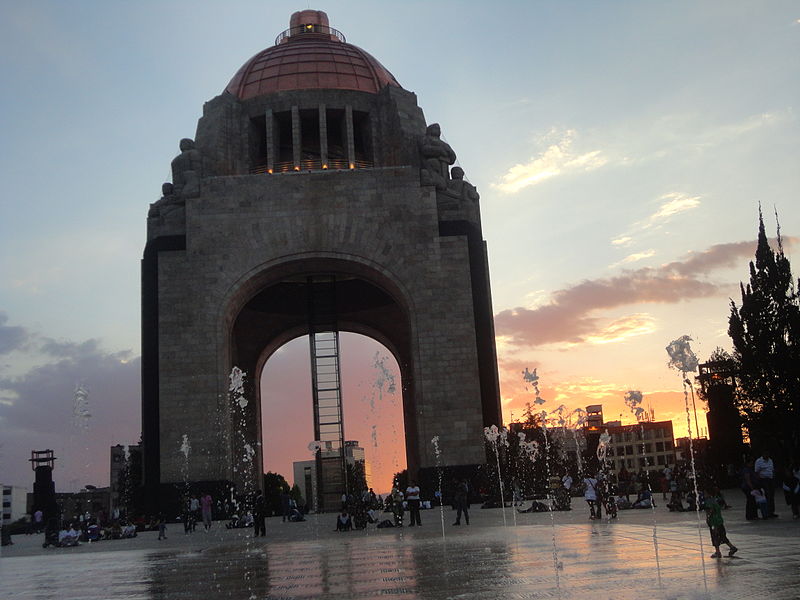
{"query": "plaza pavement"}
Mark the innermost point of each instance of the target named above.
(536, 555)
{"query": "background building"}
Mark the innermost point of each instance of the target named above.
(14, 503)
(646, 445)
(305, 471)
(125, 474)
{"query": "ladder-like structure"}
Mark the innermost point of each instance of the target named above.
(326, 391)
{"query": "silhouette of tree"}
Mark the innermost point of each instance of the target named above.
(765, 330)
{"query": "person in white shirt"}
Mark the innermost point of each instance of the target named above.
(590, 495)
(412, 498)
(765, 471)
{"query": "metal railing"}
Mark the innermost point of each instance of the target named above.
(309, 29)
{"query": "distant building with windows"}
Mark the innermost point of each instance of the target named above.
(123, 457)
(305, 471)
(648, 445)
(14, 503)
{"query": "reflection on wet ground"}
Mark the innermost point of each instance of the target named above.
(598, 560)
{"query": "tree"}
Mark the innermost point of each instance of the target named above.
(274, 486)
(765, 331)
(356, 477)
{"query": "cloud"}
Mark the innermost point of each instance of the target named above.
(623, 328)
(623, 240)
(571, 316)
(558, 159)
(11, 337)
(674, 203)
(36, 408)
(635, 257)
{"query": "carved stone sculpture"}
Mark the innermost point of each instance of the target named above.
(436, 157)
(168, 202)
(186, 169)
(461, 189)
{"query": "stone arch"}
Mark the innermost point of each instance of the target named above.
(267, 308)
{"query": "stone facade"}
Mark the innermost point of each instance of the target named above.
(226, 259)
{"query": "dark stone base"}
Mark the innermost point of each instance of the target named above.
(172, 497)
(428, 480)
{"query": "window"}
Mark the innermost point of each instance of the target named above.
(629, 462)
(648, 448)
(629, 450)
(659, 446)
(642, 462)
(662, 460)
(668, 445)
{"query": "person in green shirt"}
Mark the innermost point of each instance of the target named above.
(716, 525)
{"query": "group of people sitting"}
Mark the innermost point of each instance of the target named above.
(69, 535)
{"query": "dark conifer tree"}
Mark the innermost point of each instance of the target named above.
(765, 330)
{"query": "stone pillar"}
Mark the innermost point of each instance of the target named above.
(323, 135)
(297, 139)
(351, 146)
(270, 140)
(373, 131)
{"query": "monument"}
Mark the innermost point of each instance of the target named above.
(313, 199)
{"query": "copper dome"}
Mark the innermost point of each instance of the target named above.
(310, 55)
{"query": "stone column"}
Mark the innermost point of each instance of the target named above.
(351, 146)
(297, 139)
(323, 134)
(270, 141)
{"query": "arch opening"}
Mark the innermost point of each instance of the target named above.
(372, 407)
(281, 315)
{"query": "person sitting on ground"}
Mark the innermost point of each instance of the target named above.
(129, 530)
(561, 499)
(116, 531)
(622, 502)
(344, 522)
(68, 537)
(372, 516)
(93, 532)
(233, 523)
(761, 501)
(644, 499)
(296, 515)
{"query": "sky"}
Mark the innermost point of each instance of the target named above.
(621, 150)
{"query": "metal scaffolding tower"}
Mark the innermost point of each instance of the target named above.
(326, 391)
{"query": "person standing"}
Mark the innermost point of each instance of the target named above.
(194, 508)
(765, 471)
(748, 484)
(591, 497)
(412, 497)
(205, 506)
(259, 515)
(716, 524)
(461, 501)
(397, 506)
(791, 491)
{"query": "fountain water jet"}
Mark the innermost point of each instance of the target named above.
(532, 378)
(492, 434)
(683, 359)
(633, 399)
(438, 453)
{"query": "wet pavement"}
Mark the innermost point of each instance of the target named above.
(566, 557)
